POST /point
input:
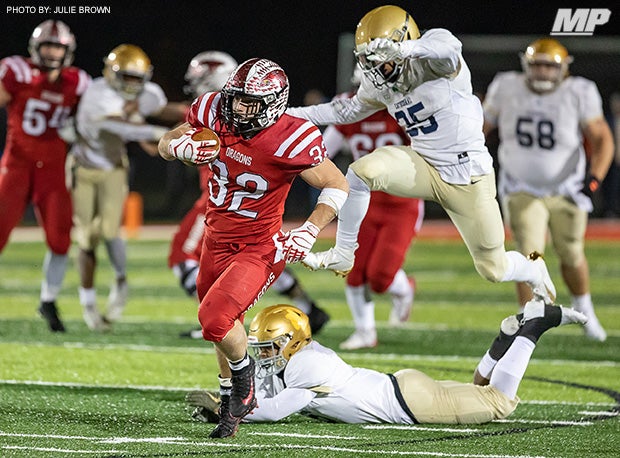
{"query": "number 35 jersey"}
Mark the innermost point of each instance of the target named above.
(37, 109)
(541, 143)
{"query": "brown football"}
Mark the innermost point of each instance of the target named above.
(203, 134)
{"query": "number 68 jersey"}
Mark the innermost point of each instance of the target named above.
(37, 109)
(541, 143)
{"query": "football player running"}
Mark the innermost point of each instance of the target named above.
(296, 374)
(425, 84)
(208, 72)
(111, 113)
(261, 151)
(543, 116)
(40, 93)
(388, 228)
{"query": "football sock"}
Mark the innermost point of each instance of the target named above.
(238, 366)
(510, 369)
(54, 268)
(187, 272)
(518, 268)
(87, 296)
(118, 256)
(400, 285)
(352, 212)
(583, 304)
(362, 309)
(284, 283)
(225, 385)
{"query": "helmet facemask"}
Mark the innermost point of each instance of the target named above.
(127, 69)
(276, 333)
(545, 64)
(55, 33)
(208, 72)
(389, 22)
(268, 355)
(254, 97)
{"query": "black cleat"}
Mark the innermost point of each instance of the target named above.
(227, 425)
(49, 311)
(317, 317)
(243, 396)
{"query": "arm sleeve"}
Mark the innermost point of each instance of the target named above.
(439, 46)
(285, 403)
(590, 102)
(133, 132)
(333, 140)
(491, 101)
(338, 111)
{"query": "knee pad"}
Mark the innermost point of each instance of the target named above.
(216, 316)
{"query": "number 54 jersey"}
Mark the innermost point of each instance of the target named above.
(541, 143)
(37, 109)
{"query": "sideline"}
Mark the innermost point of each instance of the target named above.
(439, 229)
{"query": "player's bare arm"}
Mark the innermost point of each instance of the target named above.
(164, 142)
(324, 176)
(599, 136)
(5, 97)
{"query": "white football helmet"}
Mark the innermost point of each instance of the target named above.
(208, 72)
(390, 22)
(127, 68)
(262, 87)
(554, 60)
(52, 32)
(276, 333)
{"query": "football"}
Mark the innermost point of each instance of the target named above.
(208, 139)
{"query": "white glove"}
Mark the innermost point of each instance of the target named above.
(197, 152)
(383, 50)
(300, 241)
(337, 259)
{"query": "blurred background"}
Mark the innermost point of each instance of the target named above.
(312, 41)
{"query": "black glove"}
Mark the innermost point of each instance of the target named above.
(590, 185)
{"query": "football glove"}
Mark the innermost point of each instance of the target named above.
(383, 50)
(197, 152)
(337, 259)
(590, 185)
(298, 242)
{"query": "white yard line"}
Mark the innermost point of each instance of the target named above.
(237, 445)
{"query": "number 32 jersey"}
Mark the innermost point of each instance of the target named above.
(541, 143)
(37, 109)
(252, 177)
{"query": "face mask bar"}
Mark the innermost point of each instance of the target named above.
(268, 357)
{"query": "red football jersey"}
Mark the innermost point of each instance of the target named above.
(251, 178)
(38, 108)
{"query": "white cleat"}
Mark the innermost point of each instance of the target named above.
(117, 300)
(593, 329)
(536, 308)
(543, 289)
(402, 305)
(339, 260)
(93, 318)
(366, 338)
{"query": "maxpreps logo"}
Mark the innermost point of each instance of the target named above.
(580, 23)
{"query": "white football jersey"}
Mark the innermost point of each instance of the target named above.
(317, 382)
(101, 138)
(541, 144)
(437, 109)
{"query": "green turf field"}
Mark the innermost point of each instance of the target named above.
(120, 394)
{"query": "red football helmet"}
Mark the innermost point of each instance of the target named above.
(51, 32)
(208, 72)
(254, 97)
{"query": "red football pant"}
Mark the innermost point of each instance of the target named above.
(187, 241)
(45, 187)
(232, 277)
(384, 238)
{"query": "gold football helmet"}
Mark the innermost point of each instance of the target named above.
(390, 22)
(545, 64)
(127, 69)
(276, 334)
